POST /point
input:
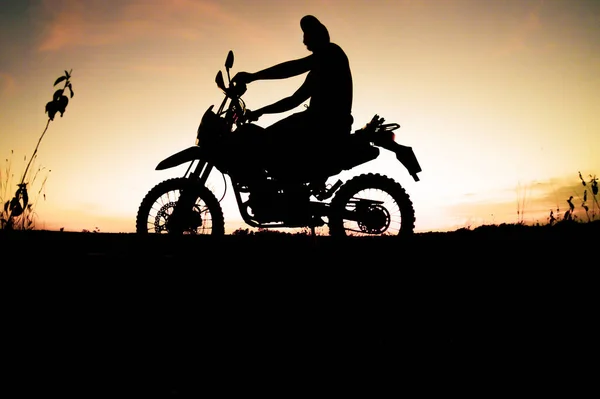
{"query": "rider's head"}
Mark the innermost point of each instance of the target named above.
(315, 33)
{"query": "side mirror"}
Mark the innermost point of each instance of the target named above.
(220, 82)
(229, 60)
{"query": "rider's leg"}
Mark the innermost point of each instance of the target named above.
(285, 141)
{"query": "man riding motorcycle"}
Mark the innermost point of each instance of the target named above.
(312, 133)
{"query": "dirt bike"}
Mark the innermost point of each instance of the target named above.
(370, 204)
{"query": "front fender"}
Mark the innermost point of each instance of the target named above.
(187, 155)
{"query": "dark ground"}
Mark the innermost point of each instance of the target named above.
(509, 310)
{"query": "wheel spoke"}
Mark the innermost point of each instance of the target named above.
(386, 203)
(371, 205)
(158, 205)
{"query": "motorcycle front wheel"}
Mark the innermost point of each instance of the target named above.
(371, 205)
(205, 217)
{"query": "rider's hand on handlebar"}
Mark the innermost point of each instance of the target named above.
(252, 116)
(242, 78)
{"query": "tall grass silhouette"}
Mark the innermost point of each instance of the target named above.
(18, 213)
(571, 214)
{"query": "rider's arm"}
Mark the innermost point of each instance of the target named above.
(284, 70)
(288, 103)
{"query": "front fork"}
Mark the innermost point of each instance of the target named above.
(181, 218)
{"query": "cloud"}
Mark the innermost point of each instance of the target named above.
(518, 39)
(530, 203)
(7, 84)
(560, 193)
(72, 23)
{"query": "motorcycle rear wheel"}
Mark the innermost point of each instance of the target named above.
(371, 205)
(157, 206)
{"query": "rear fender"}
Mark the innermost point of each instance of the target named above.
(405, 155)
(187, 155)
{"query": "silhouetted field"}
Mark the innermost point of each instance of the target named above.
(266, 248)
(473, 311)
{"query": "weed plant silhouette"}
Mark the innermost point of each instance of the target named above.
(18, 213)
(590, 186)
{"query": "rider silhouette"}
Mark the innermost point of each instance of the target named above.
(313, 132)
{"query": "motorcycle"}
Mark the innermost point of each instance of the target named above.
(370, 204)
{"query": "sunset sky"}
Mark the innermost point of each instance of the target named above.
(499, 99)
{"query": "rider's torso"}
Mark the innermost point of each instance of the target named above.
(330, 82)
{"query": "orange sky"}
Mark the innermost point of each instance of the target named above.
(500, 100)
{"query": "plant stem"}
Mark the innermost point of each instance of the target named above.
(35, 151)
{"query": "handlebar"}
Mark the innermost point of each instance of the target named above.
(237, 89)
